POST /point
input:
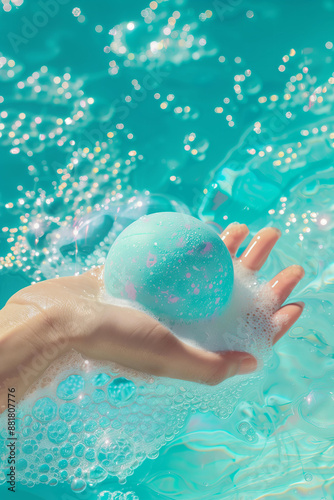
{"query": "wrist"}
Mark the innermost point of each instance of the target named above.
(29, 343)
(41, 327)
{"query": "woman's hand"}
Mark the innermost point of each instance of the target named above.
(47, 319)
(253, 259)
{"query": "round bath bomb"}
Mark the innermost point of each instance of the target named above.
(174, 265)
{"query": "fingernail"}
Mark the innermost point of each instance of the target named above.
(297, 269)
(232, 224)
(300, 304)
(247, 365)
(265, 229)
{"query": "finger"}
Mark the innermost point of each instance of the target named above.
(259, 248)
(286, 316)
(93, 277)
(233, 236)
(285, 281)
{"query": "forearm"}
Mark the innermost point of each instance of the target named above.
(29, 343)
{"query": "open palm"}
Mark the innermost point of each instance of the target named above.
(135, 340)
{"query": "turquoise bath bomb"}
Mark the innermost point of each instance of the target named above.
(174, 265)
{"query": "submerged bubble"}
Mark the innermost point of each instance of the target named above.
(98, 396)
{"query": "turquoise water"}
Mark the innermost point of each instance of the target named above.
(218, 109)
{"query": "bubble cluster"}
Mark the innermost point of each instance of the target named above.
(95, 421)
(108, 429)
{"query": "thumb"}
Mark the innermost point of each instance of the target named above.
(207, 367)
(134, 340)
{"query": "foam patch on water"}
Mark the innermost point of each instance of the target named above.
(86, 420)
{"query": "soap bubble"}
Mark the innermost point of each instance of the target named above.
(141, 205)
(121, 390)
(67, 450)
(71, 387)
(78, 485)
(40, 230)
(44, 410)
(68, 411)
(58, 432)
(113, 453)
(21, 464)
(98, 473)
(65, 246)
(317, 409)
(86, 234)
(100, 379)
(30, 446)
